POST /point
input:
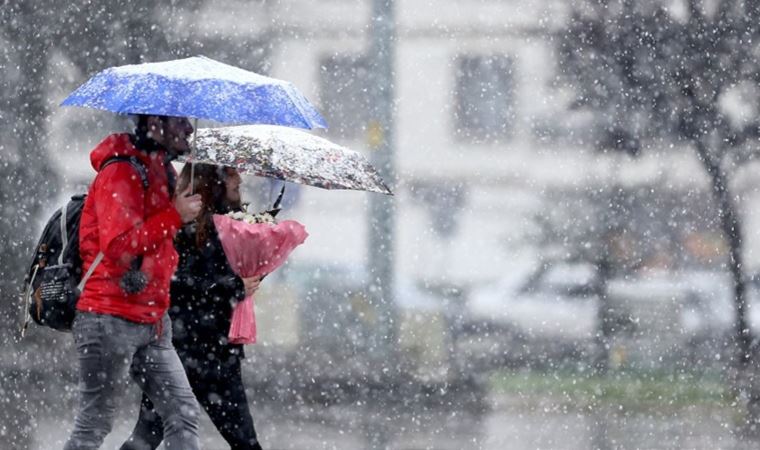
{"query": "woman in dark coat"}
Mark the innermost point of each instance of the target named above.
(203, 292)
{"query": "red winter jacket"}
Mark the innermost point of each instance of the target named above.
(123, 220)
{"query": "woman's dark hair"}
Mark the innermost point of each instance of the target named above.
(210, 182)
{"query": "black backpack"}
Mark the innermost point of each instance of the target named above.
(54, 279)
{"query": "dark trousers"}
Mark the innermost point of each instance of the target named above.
(218, 386)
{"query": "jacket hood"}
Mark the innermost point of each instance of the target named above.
(116, 145)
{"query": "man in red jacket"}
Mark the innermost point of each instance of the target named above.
(127, 230)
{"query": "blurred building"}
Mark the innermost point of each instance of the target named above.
(484, 135)
(473, 99)
(495, 171)
(483, 131)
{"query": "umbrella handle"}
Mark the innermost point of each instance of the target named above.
(276, 207)
(279, 198)
(192, 175)
(192, 152)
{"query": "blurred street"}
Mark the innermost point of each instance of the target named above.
(509, 424)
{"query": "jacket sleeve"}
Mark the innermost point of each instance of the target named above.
(226, 282)
(212, 284)
(206, 271)
(230, 286)
(227, 286)
(124, 232)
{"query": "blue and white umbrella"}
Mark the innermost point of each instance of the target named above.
(199, 88)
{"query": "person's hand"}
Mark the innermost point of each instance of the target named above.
(188, 206)
(251, 285)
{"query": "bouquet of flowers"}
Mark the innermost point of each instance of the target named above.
(255, 245)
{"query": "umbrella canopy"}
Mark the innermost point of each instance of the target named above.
(200, 88)
(286, 154)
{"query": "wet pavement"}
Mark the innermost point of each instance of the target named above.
(509, 423)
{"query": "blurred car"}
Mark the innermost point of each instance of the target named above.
(656, 318)
(555, 301)
(538, 315)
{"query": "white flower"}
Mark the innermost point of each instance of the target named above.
(262, 217)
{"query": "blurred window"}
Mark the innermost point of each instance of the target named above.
(344, 94)
(484, 103)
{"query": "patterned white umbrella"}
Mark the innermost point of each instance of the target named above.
(288, 154)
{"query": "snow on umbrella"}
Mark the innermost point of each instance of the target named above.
(199, 88)
(286, 154)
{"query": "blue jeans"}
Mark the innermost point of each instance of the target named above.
(107, 347)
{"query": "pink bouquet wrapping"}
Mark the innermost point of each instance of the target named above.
(254, 250)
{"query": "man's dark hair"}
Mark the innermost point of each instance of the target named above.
(141, 139)
(141, 122)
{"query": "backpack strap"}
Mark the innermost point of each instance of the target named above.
(134, 162)
(64, 233)
(87, 275)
